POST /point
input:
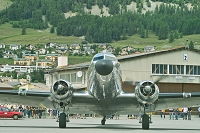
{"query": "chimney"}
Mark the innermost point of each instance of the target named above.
(62, 61)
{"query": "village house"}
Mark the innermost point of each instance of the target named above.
(30, 46)
(102, 45)
(149, 48)
(41, 51)
(74, 46)
(52, 57)
(89, 51)
(22, 61)
(43, 63)
(14, 46)
(2, 46)
(50, 45)
(32, 57)
(13, 56)
(126, 50)
(61, 48)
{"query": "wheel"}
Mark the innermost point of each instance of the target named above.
(145, 121)
(103, 122)
(62, 120)
(15, 117)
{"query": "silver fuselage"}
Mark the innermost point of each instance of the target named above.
(104, 87)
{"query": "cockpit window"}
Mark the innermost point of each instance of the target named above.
(98, 58)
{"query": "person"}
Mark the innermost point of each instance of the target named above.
(162, 114)
(36, 112)
(176, 114)
(116, 116)
(171, 114)
(189, 113)
(44, 113)
(54, 114)
(40, 113)
(185, 111)
(199, 111)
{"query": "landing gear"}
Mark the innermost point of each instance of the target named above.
(103, 120)
(145, 121)
(62, 120)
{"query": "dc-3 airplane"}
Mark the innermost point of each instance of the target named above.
(104, 95)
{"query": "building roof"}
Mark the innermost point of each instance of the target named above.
(52, 54)
(30, 55)
(43, 60)
(21, 59)
(12, 83)
(121, 58)
(4, 85)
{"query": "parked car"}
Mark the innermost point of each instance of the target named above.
(7, 113)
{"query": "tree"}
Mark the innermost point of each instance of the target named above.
(24, 30)
(14, 75)
(117, 50)
(142, 32)
(171, 37)
(176, 34)
(52, 30)
(191, 45)
(163, 31)
(1, 54)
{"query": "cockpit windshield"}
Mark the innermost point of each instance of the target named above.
(98, 58)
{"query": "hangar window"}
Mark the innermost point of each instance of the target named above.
(65, 77)
(176, 69)
(159, 69)
(192, 70)
(198, 70)
(71, 77)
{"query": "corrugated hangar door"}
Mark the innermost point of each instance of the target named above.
(167, 87)
(178, 87)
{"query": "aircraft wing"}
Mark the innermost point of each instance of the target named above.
(126, 103)
(175, 100)
(30, 98)
(81, 101)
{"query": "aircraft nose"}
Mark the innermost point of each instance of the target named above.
(104, 67)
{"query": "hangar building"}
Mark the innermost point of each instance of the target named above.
(173, 70)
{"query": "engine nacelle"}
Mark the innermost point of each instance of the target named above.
(146, 92)
(61, 91)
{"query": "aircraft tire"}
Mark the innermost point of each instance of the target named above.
(62, 120)
(103, 122)
(145, 122)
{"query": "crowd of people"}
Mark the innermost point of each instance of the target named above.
(39, 112)
(175, 114)
(30, 111)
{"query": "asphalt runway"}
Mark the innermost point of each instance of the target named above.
(92, 125)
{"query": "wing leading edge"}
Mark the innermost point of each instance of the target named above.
(175, 100)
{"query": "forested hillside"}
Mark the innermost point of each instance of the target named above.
(166, 20)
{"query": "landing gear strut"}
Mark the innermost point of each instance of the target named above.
(103, 120)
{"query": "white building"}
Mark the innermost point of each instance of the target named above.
(10, 68)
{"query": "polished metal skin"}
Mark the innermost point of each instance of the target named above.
(104, 77)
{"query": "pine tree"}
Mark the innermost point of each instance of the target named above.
(142, 32)
(24, 30)
(191, 45)
(52, 30)
(171, 37)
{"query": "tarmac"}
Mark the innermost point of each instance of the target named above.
(92, 125)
